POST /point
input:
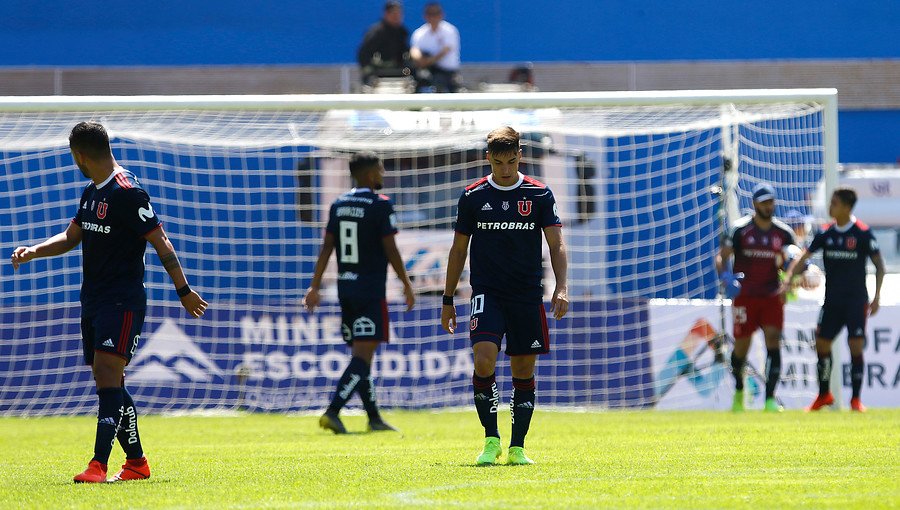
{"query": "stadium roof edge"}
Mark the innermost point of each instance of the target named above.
(321, 102)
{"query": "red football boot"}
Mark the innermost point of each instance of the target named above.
(133, 469)
(95, 473)
(821, 401)
(856, 405)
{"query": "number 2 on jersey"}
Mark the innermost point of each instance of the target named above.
(349, 242)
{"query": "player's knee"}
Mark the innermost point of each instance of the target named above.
(108, 371)
(484, 366)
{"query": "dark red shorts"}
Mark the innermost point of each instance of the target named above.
(752, 313)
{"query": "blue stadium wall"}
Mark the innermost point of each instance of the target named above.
(233, 32)
(217, 32)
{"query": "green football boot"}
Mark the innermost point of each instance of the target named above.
(491, 452)
(516, 456)
(737, 406)
(772, 406)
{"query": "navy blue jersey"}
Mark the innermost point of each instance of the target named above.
(759, 254)
(505, 224)
(845, 251)
(359, 220)
(114, 218)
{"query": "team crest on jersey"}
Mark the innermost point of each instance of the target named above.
(851, 243)
(524, 207)
(776, 243)
(101, 210)
(505, 206)
(473, 323)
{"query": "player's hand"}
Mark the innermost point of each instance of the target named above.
(786, 285)
(410, 296)
(448, 318)
(311, 299)
(731, 283)
(874, 306)
(559, 304)
(21, 255)
(194, 304)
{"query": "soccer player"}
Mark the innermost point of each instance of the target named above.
(362, 225)
(846, 244)
(504, 214)
(757, 242)
(113, 223)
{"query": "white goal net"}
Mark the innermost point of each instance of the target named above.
(243, 186)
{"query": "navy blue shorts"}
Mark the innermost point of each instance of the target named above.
(850, 312)
(525, 325)
(116, 332)
(364, 320)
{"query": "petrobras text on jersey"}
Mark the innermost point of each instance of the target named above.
(93, 227)
(505, 225)
(842, 255)
(760, 254)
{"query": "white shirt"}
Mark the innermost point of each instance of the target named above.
(433, 41)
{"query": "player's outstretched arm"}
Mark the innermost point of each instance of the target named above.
(879, 279)
(190, 300)
(393, 256)
(559, 261)
(455, 263)
(56, 245)
(722, 258)
(311, 299)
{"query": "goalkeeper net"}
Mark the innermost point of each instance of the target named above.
(243, 186)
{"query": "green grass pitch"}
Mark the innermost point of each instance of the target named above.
(584, 460)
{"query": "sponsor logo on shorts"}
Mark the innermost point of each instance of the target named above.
(108, 343)
(536, 344)
(363, 326)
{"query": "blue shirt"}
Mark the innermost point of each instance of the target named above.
(359, 220)
(506, 225)
(845, 251)
(114, 218)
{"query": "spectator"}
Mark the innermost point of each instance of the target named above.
(435, 51)
(385, 49)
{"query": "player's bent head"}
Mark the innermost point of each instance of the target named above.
(846, 195)
(90, 139)
(362, 162)
(503, 140)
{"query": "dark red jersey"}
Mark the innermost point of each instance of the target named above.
(759, 254)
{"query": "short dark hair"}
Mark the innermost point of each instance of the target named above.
(90, 138)
(433, 7)
(361, 161)
(846, 194)
(503, 140)
(390, 5)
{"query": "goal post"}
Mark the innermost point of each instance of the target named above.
(243, 185)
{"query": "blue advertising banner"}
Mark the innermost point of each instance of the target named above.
(264, 358)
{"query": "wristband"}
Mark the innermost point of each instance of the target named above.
(448, 300)
(184, 291)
